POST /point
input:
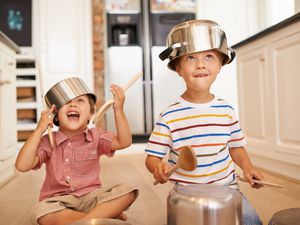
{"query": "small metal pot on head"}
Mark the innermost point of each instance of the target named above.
(204, 204)
(196, 36)
(66, 90)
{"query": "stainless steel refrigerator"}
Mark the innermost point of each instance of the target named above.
(136, 33)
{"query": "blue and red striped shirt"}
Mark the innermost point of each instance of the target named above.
(211, 129)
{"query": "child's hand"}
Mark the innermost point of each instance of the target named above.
(251, 174)
(160, 171)
(46, 119)
(119, 96)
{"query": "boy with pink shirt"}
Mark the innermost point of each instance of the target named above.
(72, 189)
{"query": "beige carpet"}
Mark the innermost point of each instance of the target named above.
(18, 196)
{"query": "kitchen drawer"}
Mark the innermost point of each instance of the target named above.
(26, 114)
(24, 134)
(26, 93)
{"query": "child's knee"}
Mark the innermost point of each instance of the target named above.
(47, 219)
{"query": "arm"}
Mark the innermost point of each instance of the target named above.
(241, 158)
(123, 138)
(158, 168)
(27, 157)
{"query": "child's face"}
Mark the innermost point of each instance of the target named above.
(74, 115)
(199, 70)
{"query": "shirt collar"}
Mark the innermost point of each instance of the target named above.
(61, 137)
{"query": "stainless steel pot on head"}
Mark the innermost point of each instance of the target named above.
(196, 36)
(204, 204)
(66, 90)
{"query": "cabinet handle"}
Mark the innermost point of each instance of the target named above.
(262, 59)
(3, 82)
(11, 64)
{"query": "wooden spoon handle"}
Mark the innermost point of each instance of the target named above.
(110, 102)
(131, 81)
(169, 172)
(50, 134)
(99, 114)
(41, 82)
(262, 182)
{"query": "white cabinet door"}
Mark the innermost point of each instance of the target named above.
(284, 72)
(64, 37)
(268, 87)
(253, 98)
(8, 119)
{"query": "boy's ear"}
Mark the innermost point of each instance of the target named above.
(90, 116)
(177, 70)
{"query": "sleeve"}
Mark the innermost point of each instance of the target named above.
(44, 151)
(105, 140)
(237, 138)
(160, 141)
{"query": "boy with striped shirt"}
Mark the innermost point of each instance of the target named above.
(197, 50)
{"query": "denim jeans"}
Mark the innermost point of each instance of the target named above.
(250, 216)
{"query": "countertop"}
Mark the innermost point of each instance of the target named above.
(7, 41)
(269, 30)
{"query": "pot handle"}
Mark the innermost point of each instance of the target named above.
(166, 53)
(232, 55)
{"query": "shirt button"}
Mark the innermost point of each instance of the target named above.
(72, 189)
(68, 177)
(69, 144)
(67, 160)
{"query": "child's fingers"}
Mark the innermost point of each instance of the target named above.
(165, 168)
(161, 175)
(253, 175)
(117, 90)
(51, 110)
(248, 177)
(48, 111)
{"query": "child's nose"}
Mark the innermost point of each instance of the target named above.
(200, 63)
(72, 104)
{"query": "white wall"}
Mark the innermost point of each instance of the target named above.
(278, 10)
(233, 16)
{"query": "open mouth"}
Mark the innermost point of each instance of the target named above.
(73, 115)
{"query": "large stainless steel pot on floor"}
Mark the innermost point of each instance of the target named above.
(204, 204)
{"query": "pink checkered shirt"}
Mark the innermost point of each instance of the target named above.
(72, 166)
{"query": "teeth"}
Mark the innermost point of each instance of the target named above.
(73, 114)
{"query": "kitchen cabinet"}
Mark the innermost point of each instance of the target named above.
(8, 136)
(28, 96)
(268, 91)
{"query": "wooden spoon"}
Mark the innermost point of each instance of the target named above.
(187, 160)
(103, 109)
(41, 82)
(261, 182)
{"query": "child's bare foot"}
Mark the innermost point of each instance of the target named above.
(122, 216)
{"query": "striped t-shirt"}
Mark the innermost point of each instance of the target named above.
(211, 129)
